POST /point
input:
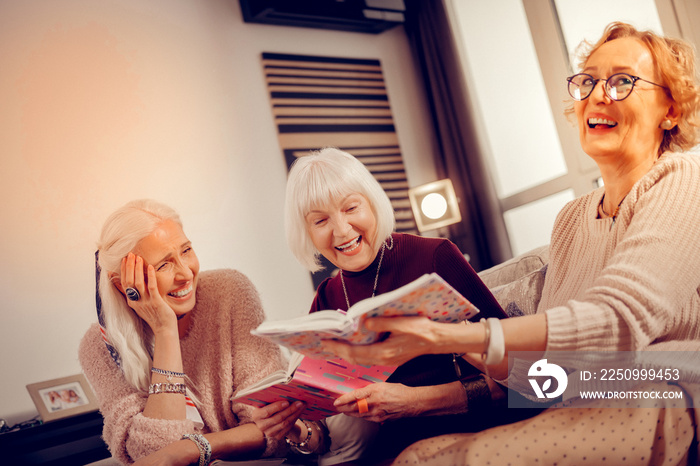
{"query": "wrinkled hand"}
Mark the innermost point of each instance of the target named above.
(277, 419)
(384, 400)
(151, 307)
(410, 337)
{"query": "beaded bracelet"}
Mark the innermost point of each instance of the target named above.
(168, 374)
(203, 445)
(300, 447)
(156, 388)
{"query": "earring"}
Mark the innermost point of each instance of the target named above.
(666, 125)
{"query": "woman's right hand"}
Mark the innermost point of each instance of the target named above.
(150, 307)
(408, 338)
(277, 420)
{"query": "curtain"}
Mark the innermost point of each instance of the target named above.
(482, 232)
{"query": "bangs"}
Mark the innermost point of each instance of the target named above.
(323, 185)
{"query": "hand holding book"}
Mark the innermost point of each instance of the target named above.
(317, 382)
(429, 296)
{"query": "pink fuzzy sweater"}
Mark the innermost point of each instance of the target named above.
(219, 355)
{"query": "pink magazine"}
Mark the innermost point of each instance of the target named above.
(317, 383)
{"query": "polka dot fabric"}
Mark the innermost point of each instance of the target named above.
(569, 436)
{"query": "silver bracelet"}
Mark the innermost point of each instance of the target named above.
(301, 446)
(156, 388)
(203, 445)
(168, 374)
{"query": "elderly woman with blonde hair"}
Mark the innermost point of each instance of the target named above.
(172, 346)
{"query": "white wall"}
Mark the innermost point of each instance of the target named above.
(104, 101)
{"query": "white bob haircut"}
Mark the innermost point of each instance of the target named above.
(320, 178)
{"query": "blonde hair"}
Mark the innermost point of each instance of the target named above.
(126, 331)
(674, 60)
(316, 180)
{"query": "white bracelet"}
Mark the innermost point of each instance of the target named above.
(495, 341)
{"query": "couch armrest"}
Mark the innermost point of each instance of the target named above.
(515, 268)
(517, 283)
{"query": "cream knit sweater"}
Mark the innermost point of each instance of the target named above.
(219, 355)
(633, 285)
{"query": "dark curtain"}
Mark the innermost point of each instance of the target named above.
(481, 233)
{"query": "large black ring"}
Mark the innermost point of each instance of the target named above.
(132, 294)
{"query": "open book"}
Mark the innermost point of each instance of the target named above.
(314, 381)
(429, 295)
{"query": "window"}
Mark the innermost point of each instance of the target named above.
(516, 56)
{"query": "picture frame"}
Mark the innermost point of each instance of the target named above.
(63, 397)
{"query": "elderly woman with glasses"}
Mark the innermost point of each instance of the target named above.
(623, 277)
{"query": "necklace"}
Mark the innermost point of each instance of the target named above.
(376, 277)
(617, 210)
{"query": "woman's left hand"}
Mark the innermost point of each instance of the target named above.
(277, 419)
(385, 401)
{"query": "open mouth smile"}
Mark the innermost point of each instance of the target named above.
(181, 293)
(601, 122)
(350, 245)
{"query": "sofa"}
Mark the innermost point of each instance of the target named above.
(517, 283)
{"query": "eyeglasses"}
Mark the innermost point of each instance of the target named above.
(618, 86)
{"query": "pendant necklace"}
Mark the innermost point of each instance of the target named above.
(614, 215)
(376, 277)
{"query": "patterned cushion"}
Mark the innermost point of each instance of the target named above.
(517, 283)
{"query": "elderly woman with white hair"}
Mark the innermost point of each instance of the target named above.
(337, 209)
(172, 345)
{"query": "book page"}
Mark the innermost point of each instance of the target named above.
(331, 321)
(429, 296)
(278, 376)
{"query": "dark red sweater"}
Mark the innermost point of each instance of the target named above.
(411, 257)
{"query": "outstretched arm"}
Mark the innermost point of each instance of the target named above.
(414, 336)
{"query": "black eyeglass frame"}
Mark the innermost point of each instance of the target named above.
(605, 87)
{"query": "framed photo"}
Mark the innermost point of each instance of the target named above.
(64, 397)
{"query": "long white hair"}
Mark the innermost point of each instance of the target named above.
(125, 330)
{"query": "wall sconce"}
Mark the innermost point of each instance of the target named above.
(434, 205)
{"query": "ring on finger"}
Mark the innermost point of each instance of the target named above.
(362, 406)
(132, 294)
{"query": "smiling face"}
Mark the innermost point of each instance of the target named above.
(175, 263)
(628, 130)
(343, 232)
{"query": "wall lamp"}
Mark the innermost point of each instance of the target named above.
(434, 205)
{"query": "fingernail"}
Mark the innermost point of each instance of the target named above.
(298, 404)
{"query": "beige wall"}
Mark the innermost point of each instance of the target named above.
(104, 101)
